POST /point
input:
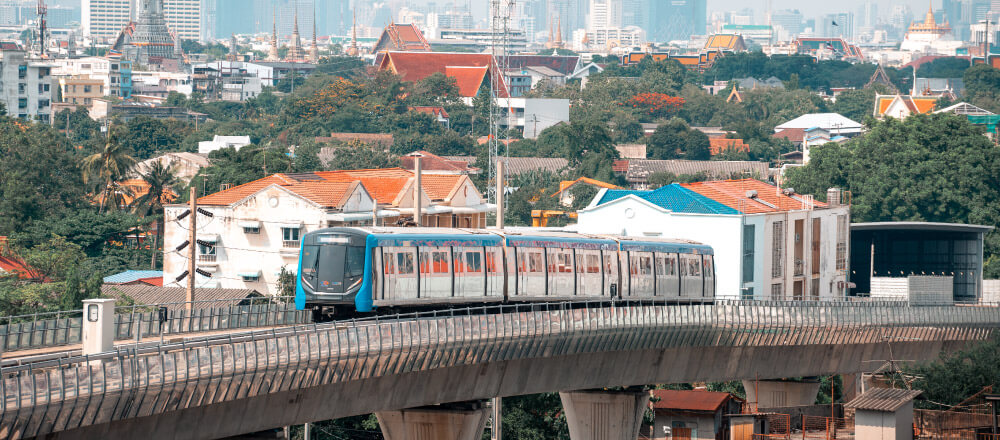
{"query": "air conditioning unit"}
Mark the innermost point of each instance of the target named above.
(752, 194)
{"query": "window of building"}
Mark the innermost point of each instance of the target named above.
(251, 230)
(207, 252)
(22, 103)
(778, 250)
(250, 278)
(22, 72)
(290, 237)
(86, 89)
(21, 88)
(842, 242)
(777, 291)
(45, 87)
(748, 252)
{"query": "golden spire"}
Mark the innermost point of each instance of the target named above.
(272, 55)
(353, 50)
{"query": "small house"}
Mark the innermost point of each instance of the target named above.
(692, 414)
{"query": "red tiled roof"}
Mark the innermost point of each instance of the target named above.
(440, 186)
(620, 166)
(382, 184)
(733, 193)
(325, 193)
(406, 37)
(718, 145)
(468, 69)
(433, 162)
(689, 400)
(796, 135)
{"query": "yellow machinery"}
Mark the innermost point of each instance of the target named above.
(540, 218)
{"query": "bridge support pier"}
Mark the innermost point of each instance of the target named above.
(604, 415)
(447, 422)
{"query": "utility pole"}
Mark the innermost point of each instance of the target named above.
(496, 431)
(500, 194)
(193, 250)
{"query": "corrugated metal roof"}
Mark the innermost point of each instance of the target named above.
(883, 399)
(640, 170)
(144, 294)
(132, 275)
(689, 400)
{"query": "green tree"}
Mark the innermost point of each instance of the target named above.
(675, 139)
(856, 105)
(357, 155)
(161, 181)
(955, 377)
(982, 86)
(937, 168)
(105, 170)
(436, 89)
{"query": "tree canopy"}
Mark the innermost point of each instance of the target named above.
(936, 168)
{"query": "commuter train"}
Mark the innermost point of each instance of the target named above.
(345, 270)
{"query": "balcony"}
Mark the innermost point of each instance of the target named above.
(207, 258)
(290, 244)
(800, 267)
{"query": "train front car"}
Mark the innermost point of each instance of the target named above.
(331, 268)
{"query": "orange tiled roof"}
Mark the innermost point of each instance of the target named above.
(433, 162)
(469, 69)
(567, 184)
(916, 104)
(733, 193)
(718, 145)
(436, 111)
(440, 186)
(383, 185)
(325, 193)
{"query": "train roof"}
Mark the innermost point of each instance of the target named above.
(402, 236)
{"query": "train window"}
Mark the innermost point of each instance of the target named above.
(355, 261)
(440, 262)
(645, 266)
(707, 260)
(695, 268)
(473, 261)
(404, 262)
(661, 269)
(671, 262)
(633, 264)
(491, 260)
(565, 262)
(609, 263)
(684, 268)
(535, 262)
(425, 262)
(593, 264)
(389, 264)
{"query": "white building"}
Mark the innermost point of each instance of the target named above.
(104, 19)
(609, 39)
(769, 243)
(532, 115)
(255, 229)
(834, 123)
(25, 84)
(220, 142)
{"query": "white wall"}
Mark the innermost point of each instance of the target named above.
(631, 216)
(239, 252)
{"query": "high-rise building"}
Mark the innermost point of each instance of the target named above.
(674, 19)
(789, 21)
(604, 14)
(840, 25)
(105, 19)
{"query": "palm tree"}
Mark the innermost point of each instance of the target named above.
(107, 168)
(161, 180)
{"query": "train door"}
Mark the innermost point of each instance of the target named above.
(435, 272)
(588, 273)
(470, 278)
(561, 278)
(691, 282)
(530, 272)
(400, 271)
(666, 275)
(494, 271)
(641, 271)
(611, 273)
(708, 271)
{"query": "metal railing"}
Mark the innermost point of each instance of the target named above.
(152, 378)
(55, 329)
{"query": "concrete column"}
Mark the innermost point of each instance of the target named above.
(780, 393)
(434, 423)
(98, 325)
(604, 415)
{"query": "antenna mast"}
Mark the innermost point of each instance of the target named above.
(42, 11)
(500, 38)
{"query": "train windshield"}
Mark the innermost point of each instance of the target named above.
(333, 268)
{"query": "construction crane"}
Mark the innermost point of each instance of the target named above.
(42, 12)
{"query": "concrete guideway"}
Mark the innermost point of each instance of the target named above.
(298, 376)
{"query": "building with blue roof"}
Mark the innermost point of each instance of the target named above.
(769, 242)
(131, 276)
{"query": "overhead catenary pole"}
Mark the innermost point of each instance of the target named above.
(500, 178)
(417, 194)
(192, 250)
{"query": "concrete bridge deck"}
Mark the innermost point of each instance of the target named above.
(290, 376)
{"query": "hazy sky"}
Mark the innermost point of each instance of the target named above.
(814, 8)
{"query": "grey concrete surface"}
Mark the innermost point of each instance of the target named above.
(433, 424)
(604, 415)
